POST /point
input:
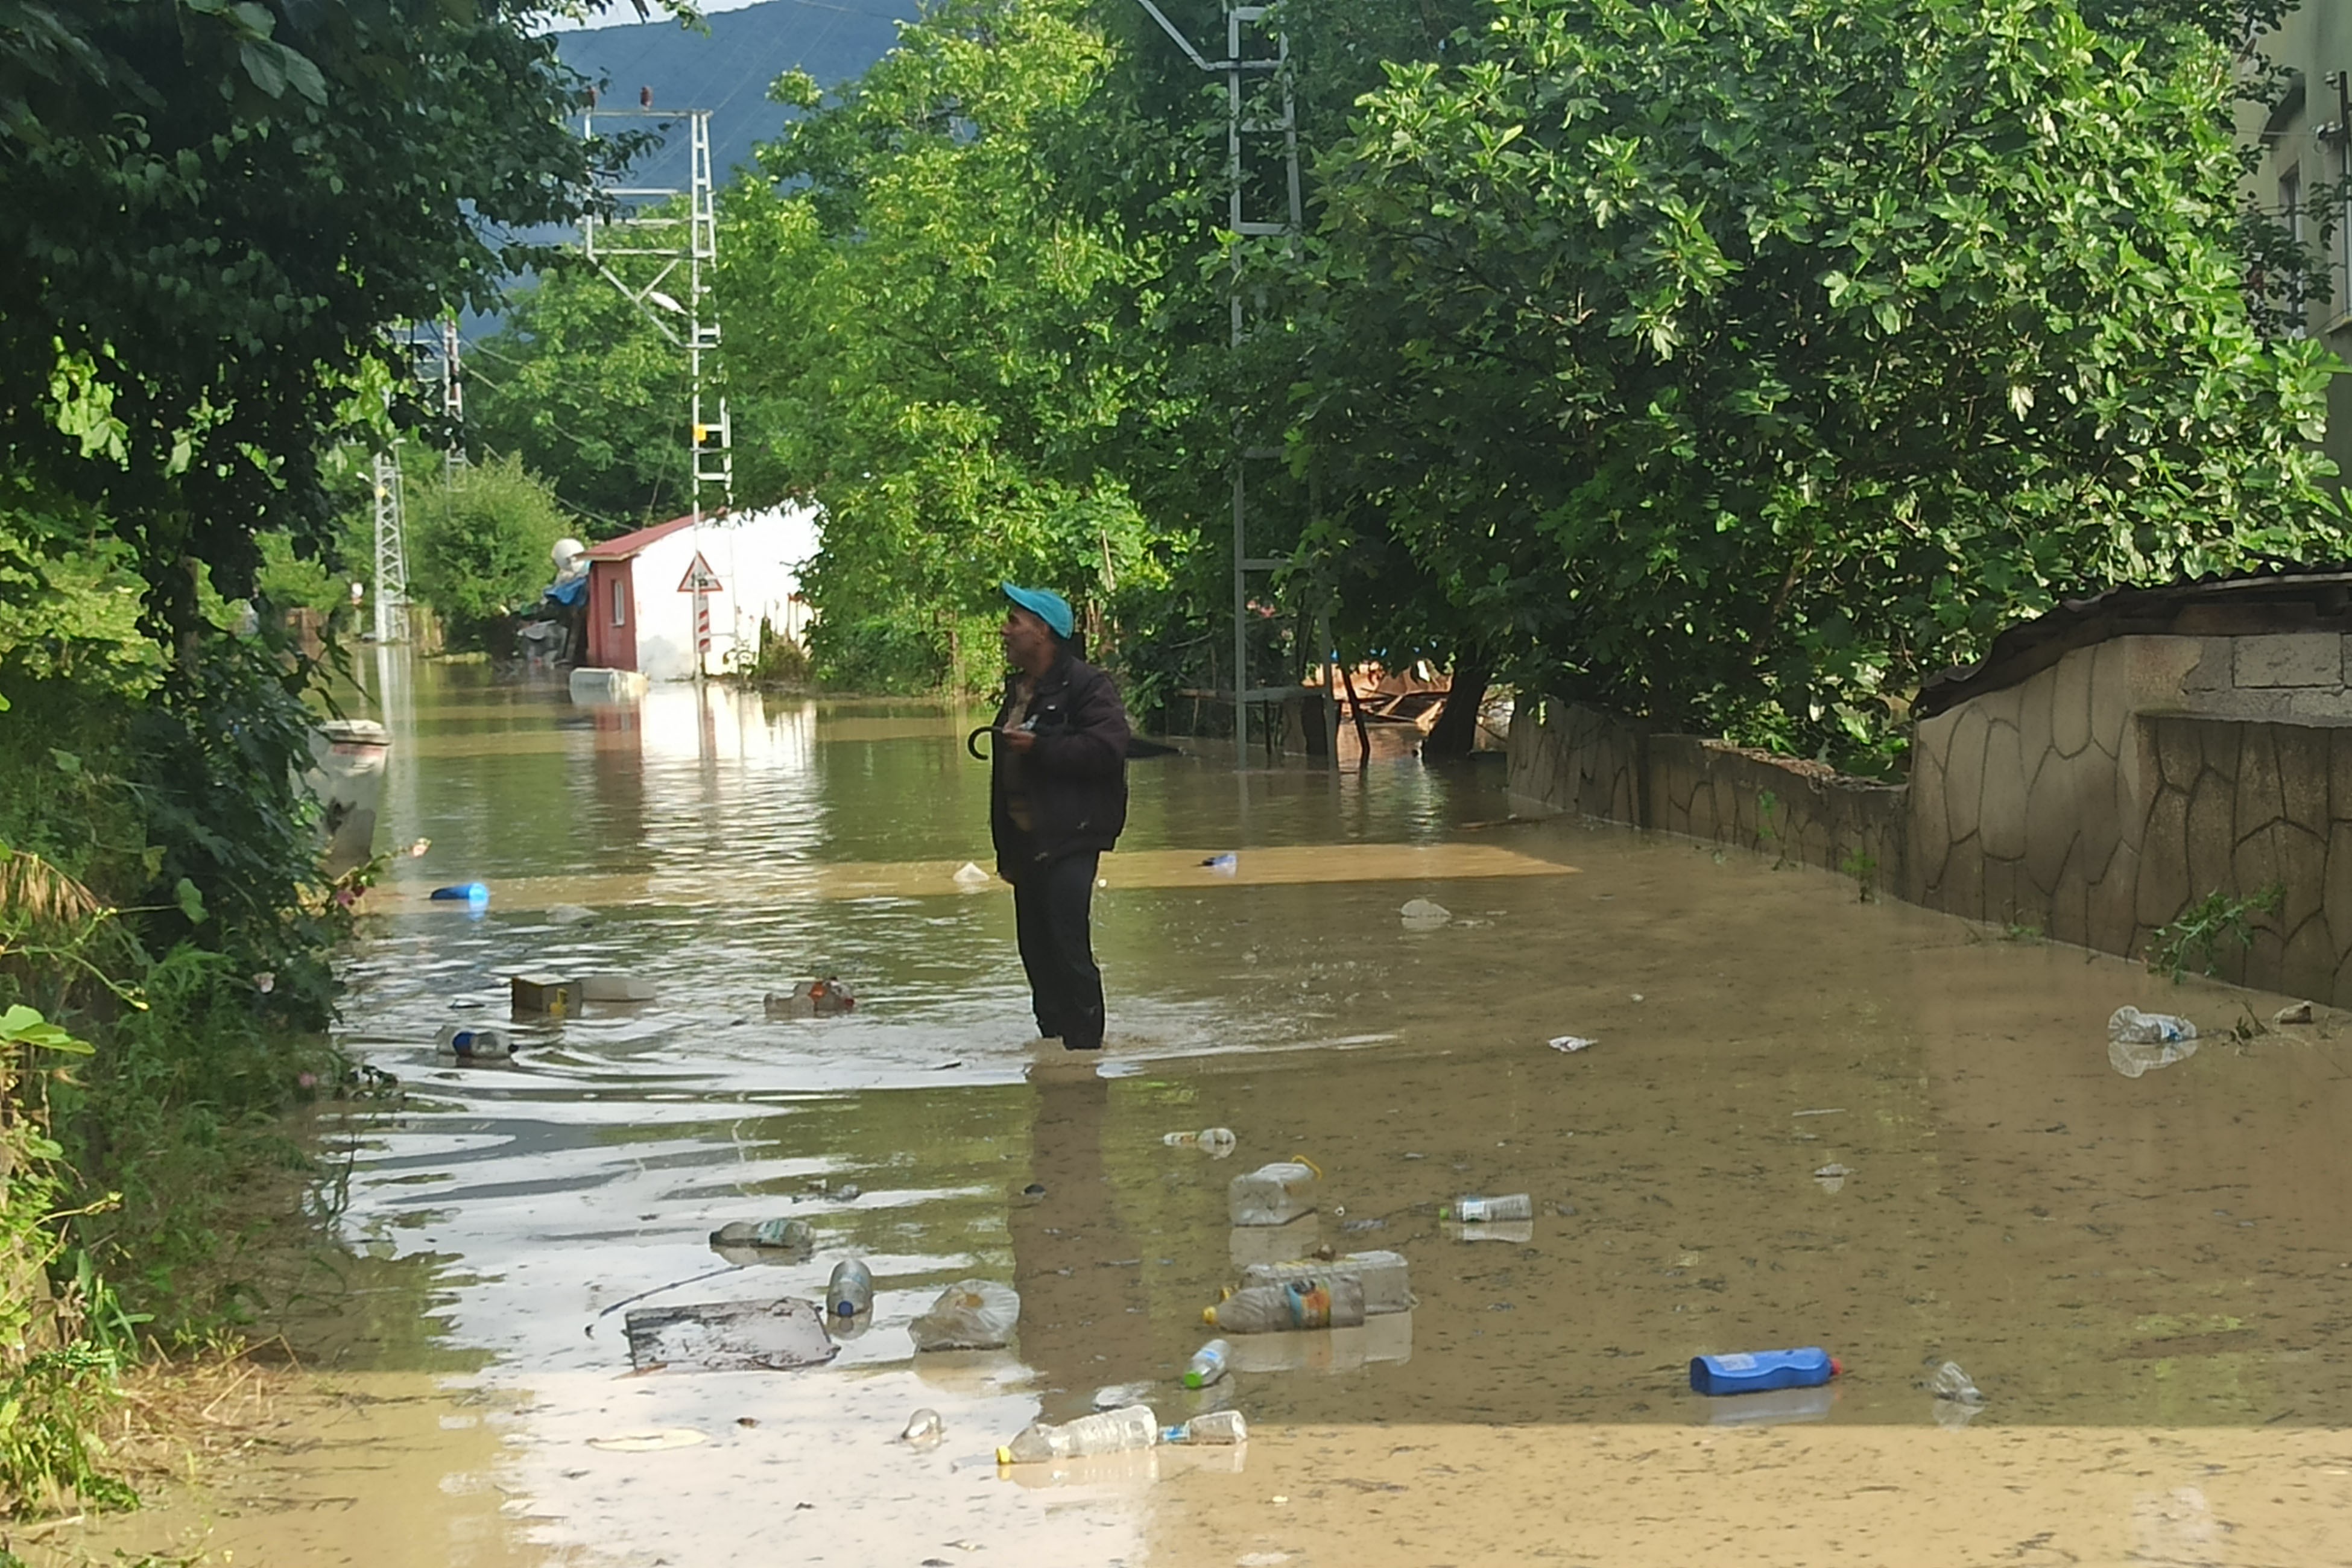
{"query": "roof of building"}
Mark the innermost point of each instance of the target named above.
(629, 544)
(2283, 599)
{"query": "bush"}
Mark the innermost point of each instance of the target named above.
(478, 547)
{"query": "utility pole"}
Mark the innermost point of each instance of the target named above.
(391, 553)
(1251, 56)
(667, 236)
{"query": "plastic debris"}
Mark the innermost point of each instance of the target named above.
(651, 1441)
(1761, 1370)
(2132, 1026)
(474, 893)
(1113, 1432)
(1951, 1383)
(969, 874)
(770, 1235)
(818, 998)
(850, 1292)
(970, 1315)
(1223, 865)
(1481, 1211)
(2299, 1013)
(469, 1044)
(924, 1428)
(2132, 1056)
(1272, 1195)
(1832, 1177)
(1214, 1141)
(1120, 1396)
(1333, 1301)
(729, 1336)
(1208, 1364)
(570, 914)
(615, 988)
(1570, 1043)
(1425, 914)
(1222, 1428)
(1383, 1276)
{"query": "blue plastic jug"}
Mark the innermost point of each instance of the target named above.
(1760, 1371)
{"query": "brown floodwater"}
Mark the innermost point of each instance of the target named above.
(2149, 1279)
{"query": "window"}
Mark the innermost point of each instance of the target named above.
(620, 600)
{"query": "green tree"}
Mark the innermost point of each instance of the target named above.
(212, 206)
(583, 388)
(1738, 364)
(932, 335)
(479, 547)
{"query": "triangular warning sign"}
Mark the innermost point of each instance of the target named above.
(699, 578)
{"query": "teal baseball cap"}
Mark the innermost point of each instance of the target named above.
(1045, 604)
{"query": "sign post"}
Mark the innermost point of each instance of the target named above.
(701, 581)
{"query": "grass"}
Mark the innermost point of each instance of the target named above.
(2198, 936)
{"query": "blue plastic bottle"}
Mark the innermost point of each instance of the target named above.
(1763, 1370)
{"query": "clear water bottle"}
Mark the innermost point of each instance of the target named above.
(923, 1427)
(2130, 1027)
(1483, 1211)
(1112, 1432)
(1208, 1364)
(1951, 1383)
(1383, 1275)
(1223, 1428)
(1216, 1141)
(850, 1291)
(1333, 1302)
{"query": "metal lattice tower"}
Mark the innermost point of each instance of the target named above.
(659, 247)
(1251, 56)
(391, 553)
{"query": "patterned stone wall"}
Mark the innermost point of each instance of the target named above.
(1569, 757)
(2094, 801)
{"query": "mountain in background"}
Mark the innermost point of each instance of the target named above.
(727, 69)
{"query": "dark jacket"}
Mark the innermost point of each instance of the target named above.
(1074, 776)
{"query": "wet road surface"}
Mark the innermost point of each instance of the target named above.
(2148, 1279)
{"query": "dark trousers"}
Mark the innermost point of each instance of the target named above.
(1050, 905)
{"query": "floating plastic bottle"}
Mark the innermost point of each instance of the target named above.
(1223, 1428)
(1951, 1383)
(2138, 1041)
(1382, 1274)
(1484, 1211)
(1762, 1369)
(1333, 1302)
(474, 895)
(1112, 1432)
(850, 1291)
(1272, 1195)
(1208, 1364)
(970, 1315)
(923, 1427)
(1214, 1141)
(781, 1234)
(2132, 1026)
(470, 1043)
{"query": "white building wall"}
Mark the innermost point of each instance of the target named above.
(756, 560)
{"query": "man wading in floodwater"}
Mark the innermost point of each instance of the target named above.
(1057, 800)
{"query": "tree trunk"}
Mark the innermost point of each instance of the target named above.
(1455, 733)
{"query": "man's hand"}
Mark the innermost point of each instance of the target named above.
(1019, 740)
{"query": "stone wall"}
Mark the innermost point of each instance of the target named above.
(1569, 757)
(2094, 800)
